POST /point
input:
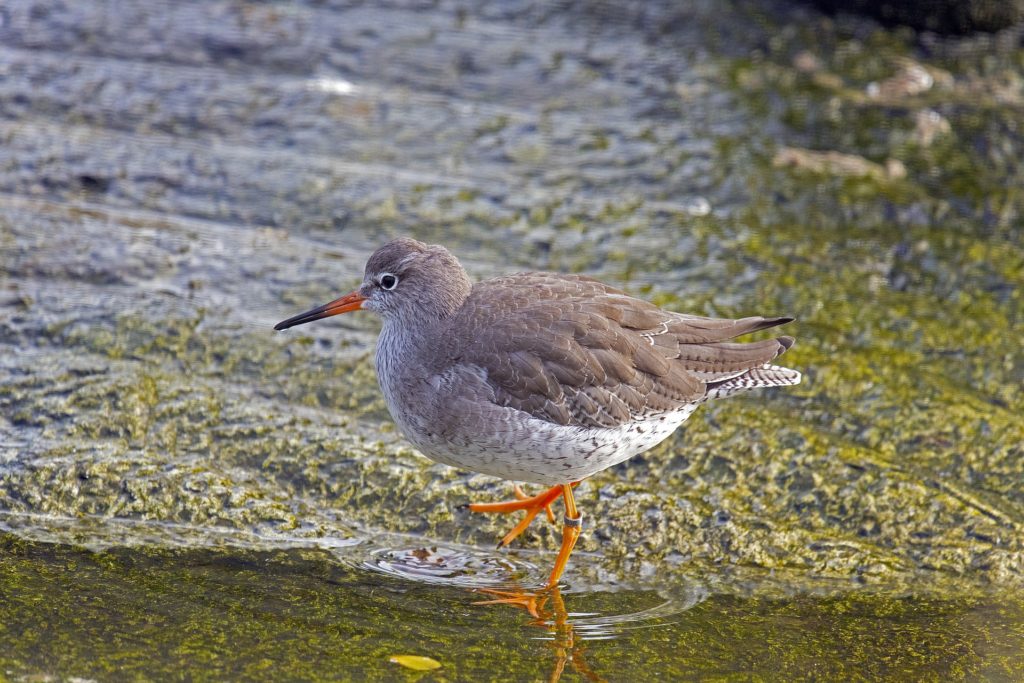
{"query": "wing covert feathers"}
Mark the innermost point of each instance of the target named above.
(573, 351)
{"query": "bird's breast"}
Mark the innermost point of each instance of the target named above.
(404, 381)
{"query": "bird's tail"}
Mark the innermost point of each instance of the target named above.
(755, 378)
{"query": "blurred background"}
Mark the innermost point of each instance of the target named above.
(184, 492)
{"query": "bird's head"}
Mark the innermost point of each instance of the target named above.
(404, 281)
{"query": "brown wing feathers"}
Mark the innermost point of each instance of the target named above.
(586, 354)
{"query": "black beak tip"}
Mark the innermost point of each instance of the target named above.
(280, 326)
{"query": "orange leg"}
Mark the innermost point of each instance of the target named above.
(572, 524)
(532, 505)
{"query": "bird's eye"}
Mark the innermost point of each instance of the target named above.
(388, 281)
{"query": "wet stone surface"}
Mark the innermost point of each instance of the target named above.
(177, 177)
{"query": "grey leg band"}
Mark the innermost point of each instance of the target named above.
(570, 522)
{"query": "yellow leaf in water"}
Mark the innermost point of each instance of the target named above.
(416, 662)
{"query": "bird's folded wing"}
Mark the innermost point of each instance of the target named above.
(573, 351)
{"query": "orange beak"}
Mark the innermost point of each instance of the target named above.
(349, 302)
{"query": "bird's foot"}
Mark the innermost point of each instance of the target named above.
(531, 504)
(517, 490)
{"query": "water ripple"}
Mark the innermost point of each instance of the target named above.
(450, 565)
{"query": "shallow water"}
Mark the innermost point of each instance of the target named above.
(184, 492)
(156, 613)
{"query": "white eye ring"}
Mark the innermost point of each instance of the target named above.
(388, 281)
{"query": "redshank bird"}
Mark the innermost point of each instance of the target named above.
(541, 377)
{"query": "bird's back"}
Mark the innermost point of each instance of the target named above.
(573, 351)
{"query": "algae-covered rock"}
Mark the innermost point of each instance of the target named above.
(147, 384)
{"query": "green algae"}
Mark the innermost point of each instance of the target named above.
(833, 494)
(902, 338)
(299, 614)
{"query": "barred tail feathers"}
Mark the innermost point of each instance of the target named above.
(756, 378)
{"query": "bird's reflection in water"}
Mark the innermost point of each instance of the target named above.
(547, 607)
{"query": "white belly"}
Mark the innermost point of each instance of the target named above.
(533, 450)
